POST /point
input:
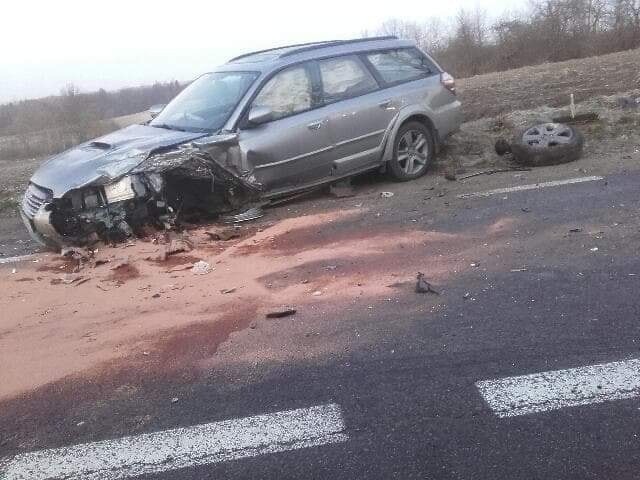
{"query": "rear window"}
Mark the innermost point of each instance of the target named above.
(401, 65)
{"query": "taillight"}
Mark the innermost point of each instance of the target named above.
(448, 82)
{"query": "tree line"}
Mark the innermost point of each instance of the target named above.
(49, 125)
(73, 107)
(471, 43)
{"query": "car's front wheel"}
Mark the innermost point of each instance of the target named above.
(412, 153)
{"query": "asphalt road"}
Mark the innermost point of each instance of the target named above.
(14, 239)
(407, 392)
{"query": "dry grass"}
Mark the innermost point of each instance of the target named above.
(549, 84)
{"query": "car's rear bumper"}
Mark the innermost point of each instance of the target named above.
(448, 119)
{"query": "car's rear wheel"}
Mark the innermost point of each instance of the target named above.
(412, 153)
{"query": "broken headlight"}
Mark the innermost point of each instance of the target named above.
(120, 190)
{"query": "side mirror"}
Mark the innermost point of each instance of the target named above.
(155, 110)
(259, 115)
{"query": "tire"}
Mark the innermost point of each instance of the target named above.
(413, 152)
(547, 144)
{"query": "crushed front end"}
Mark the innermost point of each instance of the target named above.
(191, 182)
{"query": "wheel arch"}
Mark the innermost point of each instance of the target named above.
(413, 116)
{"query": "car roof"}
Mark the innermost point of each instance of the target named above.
(265, 61)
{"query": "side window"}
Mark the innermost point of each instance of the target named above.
(401, 65)
(345, 77)
(288, 92)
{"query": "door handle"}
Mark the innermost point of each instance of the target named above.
(315, 125)
(386, 104)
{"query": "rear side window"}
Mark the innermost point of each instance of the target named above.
(401, 65)
(345, 77)
(287, 93)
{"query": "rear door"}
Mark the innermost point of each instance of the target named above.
(359, 112)
(293, 149)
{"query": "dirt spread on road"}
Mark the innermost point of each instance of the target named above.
(123, 302)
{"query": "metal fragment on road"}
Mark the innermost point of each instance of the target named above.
(168, 450)
(201, 268)
(521, 188)
(542, 392)
(246, 216)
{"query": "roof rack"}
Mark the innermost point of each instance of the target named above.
(257, 52)
(304, 47)
(334, 43)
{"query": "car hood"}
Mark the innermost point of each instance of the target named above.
(107, 158)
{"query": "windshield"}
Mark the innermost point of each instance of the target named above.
(207, 103)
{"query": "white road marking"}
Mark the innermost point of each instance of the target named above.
(541, 392)
(520, 188)
(183, 447)
(22, 258)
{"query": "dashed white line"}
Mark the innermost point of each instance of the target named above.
(183, 447)
(541, 392)
(520, 188)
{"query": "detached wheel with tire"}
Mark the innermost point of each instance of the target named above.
(413, 152)
(547, 144)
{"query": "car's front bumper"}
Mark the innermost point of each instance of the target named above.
(40, 227)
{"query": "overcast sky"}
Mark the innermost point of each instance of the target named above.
(113, 43)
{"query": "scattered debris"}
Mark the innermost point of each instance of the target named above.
(201, 268)
(526, 210)
(578, 119)
(516, 270)
(450, 175)
(246, 216)
(491, 172)
(13, 271)
(224, 235)
(287, 312)
(226, 291)
(175, 246)
(317, 293)
(155, 295)
(79, 254)
(502, 147)
(175, 400)
(475, 265)
(595, 249)
(467, 296)
(82, 280)
(387, 194)
(69, 279)
(422, 286)
(575, 230)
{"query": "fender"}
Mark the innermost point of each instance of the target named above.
(399, 119)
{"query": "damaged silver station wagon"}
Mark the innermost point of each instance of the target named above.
(265, 125)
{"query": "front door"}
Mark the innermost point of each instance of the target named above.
(293, 149)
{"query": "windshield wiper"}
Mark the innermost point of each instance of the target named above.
(169, 127)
